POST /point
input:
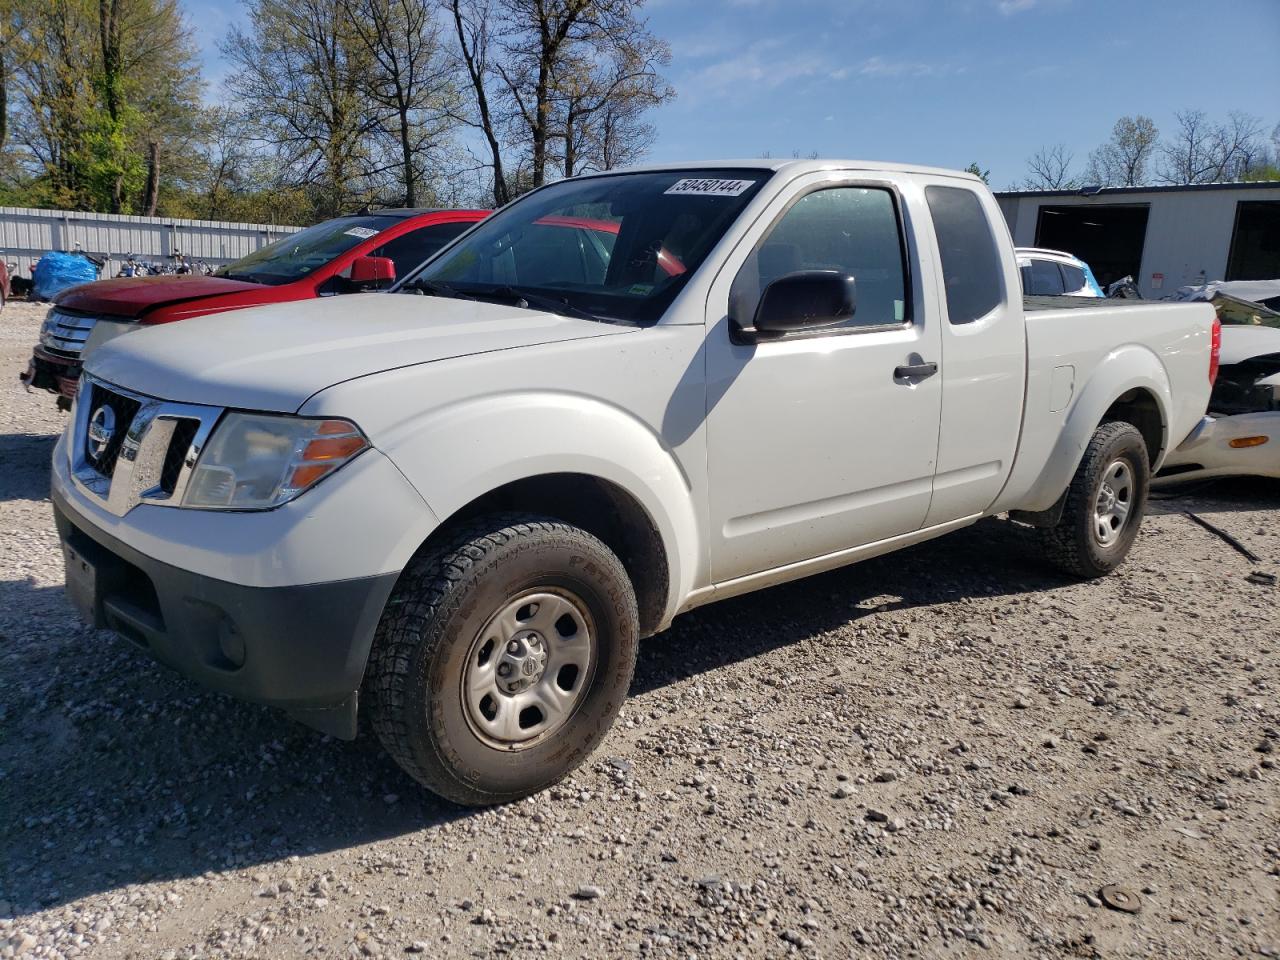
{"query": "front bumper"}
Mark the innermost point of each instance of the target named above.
(301, 648)
(48, 371)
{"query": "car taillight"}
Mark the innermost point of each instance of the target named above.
(1215, 351)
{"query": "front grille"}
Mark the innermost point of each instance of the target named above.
(123, 410)
(66, 332)
(127, 448)
(184, 433)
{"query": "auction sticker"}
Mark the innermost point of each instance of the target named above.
(364, 233)
(709, 187)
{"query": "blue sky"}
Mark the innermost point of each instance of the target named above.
(941, 82)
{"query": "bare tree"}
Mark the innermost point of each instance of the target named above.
(1123, 161)
(471, 21)
(1203, 151)
(600, 106)
(1189, 156)
(308, 78)
(1241, 145)
(557, 83)
(538, 36)
(411, 81)
(1049, 168)
(622, 135)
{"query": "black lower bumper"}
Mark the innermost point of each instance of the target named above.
(300, 648)
(47, 371)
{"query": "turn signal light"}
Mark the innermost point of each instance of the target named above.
(1239, 442)
(333, 448)
(305, 475)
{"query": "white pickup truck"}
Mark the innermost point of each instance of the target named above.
(460, 504)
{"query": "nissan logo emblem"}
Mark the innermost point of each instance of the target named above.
(102, 430)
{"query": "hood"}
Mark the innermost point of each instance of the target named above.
(274, 357)
(134, 296)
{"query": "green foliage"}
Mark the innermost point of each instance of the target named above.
(1265, 174)
(80, 122)
(977, 171)
(109, 161)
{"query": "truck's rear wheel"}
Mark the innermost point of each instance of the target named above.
(1104, 505)
(502, 658)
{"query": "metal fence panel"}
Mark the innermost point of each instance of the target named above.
(26, 234)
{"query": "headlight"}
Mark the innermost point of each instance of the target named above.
(257, 461)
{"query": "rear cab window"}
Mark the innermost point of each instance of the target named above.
(971, 268)
(1073, 278)
(1046, 279)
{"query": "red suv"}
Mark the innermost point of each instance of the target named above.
(345, 255)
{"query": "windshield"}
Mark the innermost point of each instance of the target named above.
(298, 254)
(615, 247)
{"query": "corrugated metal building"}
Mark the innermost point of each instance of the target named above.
(26, 234)
(1164, 237)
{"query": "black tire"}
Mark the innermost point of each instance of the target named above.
(1074, 544)
(443, 601)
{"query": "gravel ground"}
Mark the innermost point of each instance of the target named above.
(938, 752)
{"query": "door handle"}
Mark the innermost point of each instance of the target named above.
(915, 371)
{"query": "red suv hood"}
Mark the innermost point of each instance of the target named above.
(134, 296)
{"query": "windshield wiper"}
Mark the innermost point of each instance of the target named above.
(430, 288)
(536, 301)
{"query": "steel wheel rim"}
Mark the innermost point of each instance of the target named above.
(1113, 505)
(528, 668)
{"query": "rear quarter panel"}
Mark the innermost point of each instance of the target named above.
(1080, 361)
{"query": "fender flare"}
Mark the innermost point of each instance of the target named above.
(527, 434)
(1126, 368)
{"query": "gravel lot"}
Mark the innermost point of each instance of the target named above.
(948, 749)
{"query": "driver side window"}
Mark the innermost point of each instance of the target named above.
(853, 230)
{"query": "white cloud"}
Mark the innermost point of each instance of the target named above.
(1008, 7)
(880, 67)
(760, 66)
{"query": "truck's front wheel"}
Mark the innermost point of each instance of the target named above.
(1104, 504)
(502, 658)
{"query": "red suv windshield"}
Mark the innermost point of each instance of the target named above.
(299, 254)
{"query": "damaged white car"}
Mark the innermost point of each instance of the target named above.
(1240, 435)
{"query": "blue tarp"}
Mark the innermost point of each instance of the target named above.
(57, 271)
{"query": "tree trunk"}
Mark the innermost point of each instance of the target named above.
(109, 33)
(570, 154)
(541, 113)
(501, 195)
(406, 151)
(152, 197)
(4, 97)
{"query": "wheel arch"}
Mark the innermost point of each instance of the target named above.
(576, 458)
(1131, 385)
(1141, 407)
(602, 508)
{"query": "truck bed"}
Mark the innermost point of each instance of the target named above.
(1068, 338)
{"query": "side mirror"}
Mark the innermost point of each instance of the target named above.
(806, 300)
(372, 271)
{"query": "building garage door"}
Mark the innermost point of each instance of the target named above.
(1108, 237)
(1255, 242)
